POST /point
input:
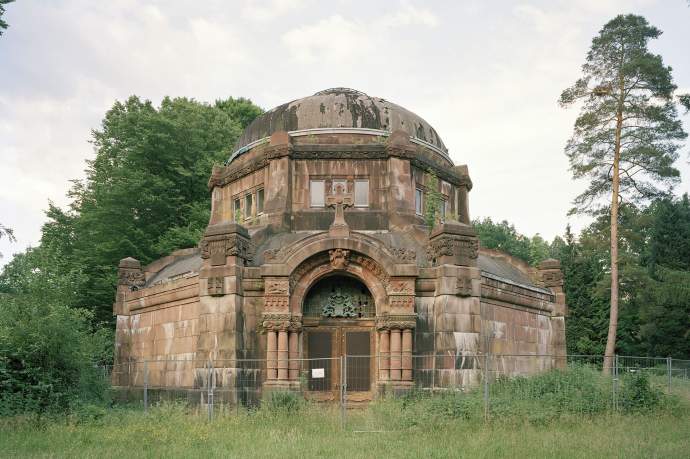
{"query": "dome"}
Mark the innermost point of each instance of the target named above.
(339, 108)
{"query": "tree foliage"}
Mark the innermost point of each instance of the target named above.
(503, 236)
(626, 137)
(3, 24)
(49, 351)
(628, 114)
(654, 277)
(145, 192)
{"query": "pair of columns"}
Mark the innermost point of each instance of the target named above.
(395, 354)
(282, 350)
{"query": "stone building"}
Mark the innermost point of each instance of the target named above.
(317, 247)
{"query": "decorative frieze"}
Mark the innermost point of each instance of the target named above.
(453, 243)
(226, 239)
(401, 303)
(281, 322)
(396, 322)
(276, 303)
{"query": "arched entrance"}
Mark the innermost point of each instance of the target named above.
(338, 317)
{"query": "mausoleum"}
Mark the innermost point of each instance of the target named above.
(318, 247)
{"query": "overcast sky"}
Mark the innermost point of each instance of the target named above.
(485, 74)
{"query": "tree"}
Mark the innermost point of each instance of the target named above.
(8, 233)
(3, 24)
(145, 193)
(626, 137)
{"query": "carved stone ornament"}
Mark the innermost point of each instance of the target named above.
(453, 245)
(277, 287)
(375, 269)
(219, 246)
(339, 258)
(216, 286)
(404, 255)
(276, 303)
(281, 322)
(134, 279)
(401, 287)
(339, 305)
(396, 322)
(401, 303)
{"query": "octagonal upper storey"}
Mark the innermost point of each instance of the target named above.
(292, 158)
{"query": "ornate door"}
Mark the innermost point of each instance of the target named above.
(324, 347)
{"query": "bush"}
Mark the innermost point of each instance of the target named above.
(48, 357)
(283, 401)
(637, 395)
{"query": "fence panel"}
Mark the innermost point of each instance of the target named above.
(503, 382)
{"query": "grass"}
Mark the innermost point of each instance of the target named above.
(548, 418)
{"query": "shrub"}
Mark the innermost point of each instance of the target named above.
(637, 395)
(48, 357)
(283, 401)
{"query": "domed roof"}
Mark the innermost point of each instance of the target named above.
(339, 108)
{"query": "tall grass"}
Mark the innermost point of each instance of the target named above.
(555, 414)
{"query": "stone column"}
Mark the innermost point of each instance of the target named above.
(454, 250)
(225, 250)
(396, 361)
(384, 355)
(551, 277)
(271, 354)
(407, 354)
(282, 354)
(293, 354)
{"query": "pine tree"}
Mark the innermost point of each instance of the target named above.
(626, 137)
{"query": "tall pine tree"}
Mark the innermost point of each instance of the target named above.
(626, 137)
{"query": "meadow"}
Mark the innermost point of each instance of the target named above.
(543, 416)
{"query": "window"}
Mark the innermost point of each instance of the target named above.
(236, 210)
(260, 201)
(418, 201)
(442, 207)
(248, 206)
(336, 183)
(317, 191)
(361, 193)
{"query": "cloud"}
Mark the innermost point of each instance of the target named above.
(487, 77)
(409, 15)
(265, 11)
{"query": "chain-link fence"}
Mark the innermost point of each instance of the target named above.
(220, 387)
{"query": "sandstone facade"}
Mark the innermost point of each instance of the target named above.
(317, 247)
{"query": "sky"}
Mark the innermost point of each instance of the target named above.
(486, 74)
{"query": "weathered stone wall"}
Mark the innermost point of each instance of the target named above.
(162, 328)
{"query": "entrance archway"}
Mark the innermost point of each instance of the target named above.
(338, 317)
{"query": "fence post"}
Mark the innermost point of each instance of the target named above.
(669, 366)
(486, 386)
(146, 386)
(209, 397)
(343, 389)
(615, 382)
